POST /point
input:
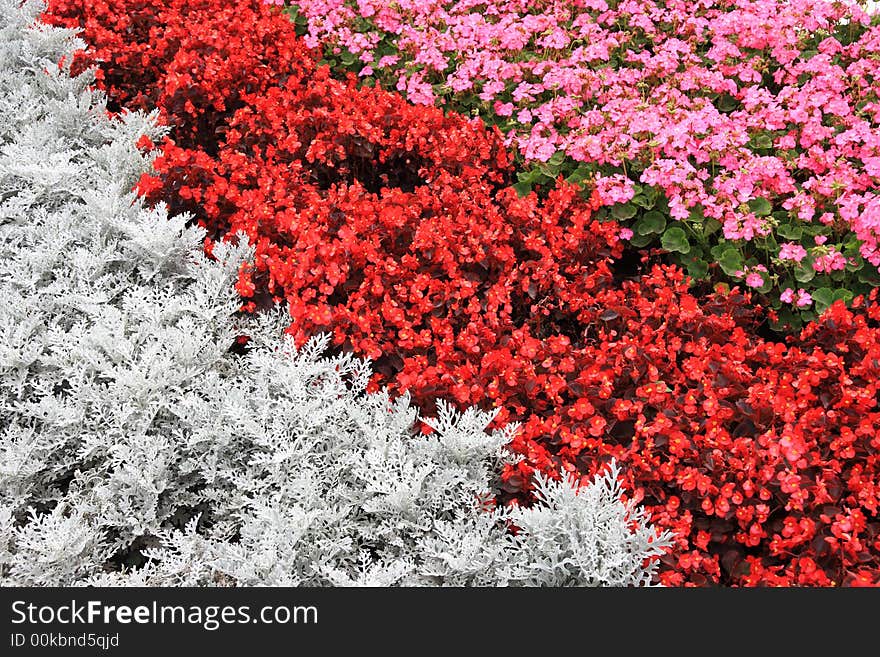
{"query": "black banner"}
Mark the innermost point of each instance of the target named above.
(175, 621)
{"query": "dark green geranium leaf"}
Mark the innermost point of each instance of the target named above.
(760, 206)
(711, 226)
(698, 269)
(844, 294)
(579, 175)
(623, 211)
(643, 201)
(530, 176)
(730, 261)
(717, 250)
(696, 214)
(789, 231)
(856, 265)
(822, 298)
(639, 241)
(869, 274)
(522, 189)
(675, 239)
(762, 140)
(727, 103)
(804, 273)
(651, 222)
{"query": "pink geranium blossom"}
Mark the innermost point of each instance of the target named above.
(754, 280)
(804, 298)
(792, 251)
(801, 299)
(829, 262)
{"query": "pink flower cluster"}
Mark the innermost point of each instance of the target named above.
(801, 298)
(717, 103)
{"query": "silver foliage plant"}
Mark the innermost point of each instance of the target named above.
(137, 449)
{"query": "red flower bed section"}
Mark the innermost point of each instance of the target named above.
(395, 228)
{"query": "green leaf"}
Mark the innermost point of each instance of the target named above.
(789, 231)
(623, 211)
(530, 176)
(844, 294)
(711, 226)
(760, 206)
(717, 250)
(348, 58)
(557, 158)
(551, 167)
(822, 298)
(804, 273)
(698, 269)
(788, 320)
(869, 274)
(646, 197)
(579, 175)
(730, 261)
(639, 241)
(855, 266)
(651, 222)
(643, 201)
(851, 245)
(727, 103)
(675, 239)
(762, 140)
(522, 189)
(549, 170)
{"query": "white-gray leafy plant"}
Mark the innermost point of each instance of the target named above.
(137, 449)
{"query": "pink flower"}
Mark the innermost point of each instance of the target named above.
(792, 251)
(503, 109)
(614, 189)
(803, 297)
(387, 60)
(754, 280)
(829, 262)
(820, 239)
(524, 116)
(625, 234)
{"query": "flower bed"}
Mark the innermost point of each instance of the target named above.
(739, 136)
(139, 449)
(397, 229)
